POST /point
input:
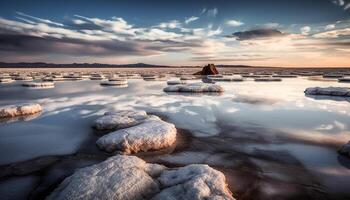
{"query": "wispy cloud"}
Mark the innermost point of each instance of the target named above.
(46, 21)
(212, 12)
(191, 19)
(305, 30)
(342, 3)
(91, 37)
(234, 23)
(333, 34)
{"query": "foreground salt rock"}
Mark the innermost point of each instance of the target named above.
(330, 91)
(39, 84)
(151, 134)
(345, 150)
(19, 110)
(195, 88)
(130, 178)
(120, 119)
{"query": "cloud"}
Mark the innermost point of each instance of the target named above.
(329, 27)
(24, 44)
(191, 19)
(46, 21)
(257, 34)
(234, 23)
(333, 34)
(170, 25)
(342, 3)
(305, 30)
(212, 12)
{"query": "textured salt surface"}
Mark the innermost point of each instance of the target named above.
(128, 177)
(152, 134)
(195, 88)
(19, 110)
(331, 91)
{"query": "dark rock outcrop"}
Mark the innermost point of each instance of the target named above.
(210, 69)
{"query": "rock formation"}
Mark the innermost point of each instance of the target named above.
(210, 69)
(152, 134)
(135, 132)
(120, 119)
(195, 88)
(330, 91)
(19, 110)
(130, 178)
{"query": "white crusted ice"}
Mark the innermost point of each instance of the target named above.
(130, 178)
(39, 84)
(330, 91)
(19, 110)
(152, 134)
(120, 119)
(118, 178)
(195, 88)
(193, 182)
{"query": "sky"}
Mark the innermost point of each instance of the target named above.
(281, 33)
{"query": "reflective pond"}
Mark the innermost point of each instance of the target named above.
(268, 138)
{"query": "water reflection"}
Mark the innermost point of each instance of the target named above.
(324, 97)
(268, 138)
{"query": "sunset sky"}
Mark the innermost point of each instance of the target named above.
(300, 33)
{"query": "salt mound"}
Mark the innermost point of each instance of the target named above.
(345, 150)
(175, 82)
(39, 84)
(6, 80)
(115, 82)
(19, 110)
(267, 79)
(152, 134)
(130, 178)
(194, 87)
(120, 119)
(331, 91)
(118, 178)
(193, 182)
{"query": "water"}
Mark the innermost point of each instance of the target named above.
(269, 139)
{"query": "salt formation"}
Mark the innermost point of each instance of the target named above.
(6, 80)
(151, 134)
(267, 79)
(154, 77)
(330, 91)
(39, 84)
(345, 150)
(24, 78)
(175, 82)
(19, 110)
(195, 88)
(130, 178)
(210, 69)
(115, 82)
(224, 79)
(120, 119)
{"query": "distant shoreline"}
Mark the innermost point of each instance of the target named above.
(141, 66)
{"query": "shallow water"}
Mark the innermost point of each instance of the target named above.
(269, 139)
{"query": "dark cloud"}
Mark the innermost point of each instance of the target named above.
(229, 59)
(257, 34)
(32, 45)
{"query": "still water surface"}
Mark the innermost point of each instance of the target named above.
(269, 139)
